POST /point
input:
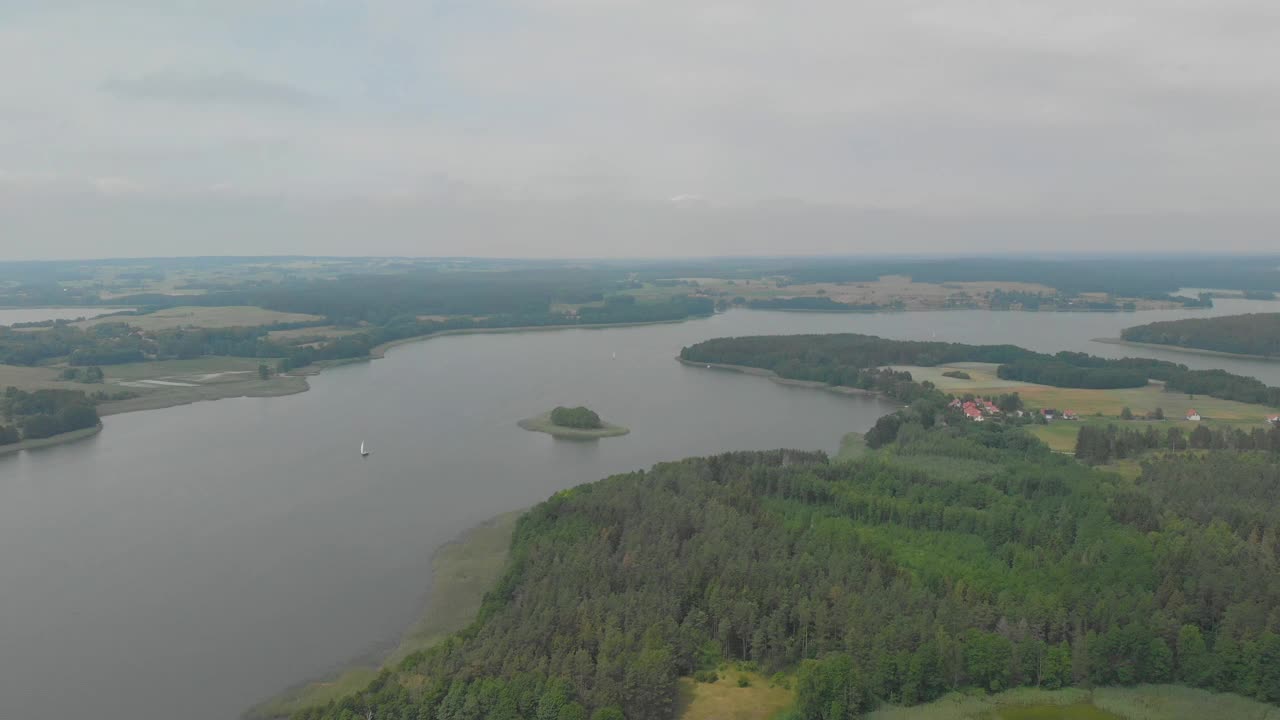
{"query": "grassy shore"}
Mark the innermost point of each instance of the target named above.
(72, 436)
(761, 372)
(462, 572)
(1185, 349)
(543, 423)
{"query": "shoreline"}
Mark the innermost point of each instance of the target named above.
(60, 439)
(463, 570)
(771, 375)
(1183, 349)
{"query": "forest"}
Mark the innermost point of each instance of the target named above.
(1251, 334)
(953, 557)
(576, 417)
(845, 359)
(44, 413)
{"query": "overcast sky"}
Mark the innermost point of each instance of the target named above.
(636, 127)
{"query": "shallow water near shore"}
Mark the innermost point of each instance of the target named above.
(192, 561)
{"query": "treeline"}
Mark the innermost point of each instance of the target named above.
(1097, 445)
(379, 298)
(360, 344)
(895, 578)
(1147, 277)
(840, 359)
(44, 413)
(1252, 334)
(114, 343)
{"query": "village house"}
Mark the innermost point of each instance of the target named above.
(1193, 416)
(1273, 419)
(1070, 415)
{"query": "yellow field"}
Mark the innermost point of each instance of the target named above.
(724, 700)
(33, 378)
(328, 331)
(1089, 402)
(207, 317)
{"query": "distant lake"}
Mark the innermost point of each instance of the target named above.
(22, 315)
(189, 562)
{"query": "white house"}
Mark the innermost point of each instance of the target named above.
(1193, 416)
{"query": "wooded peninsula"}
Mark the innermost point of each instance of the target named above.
(1251, 334)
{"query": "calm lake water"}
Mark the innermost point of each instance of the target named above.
(188, 562)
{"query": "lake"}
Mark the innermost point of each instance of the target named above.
(189, 562)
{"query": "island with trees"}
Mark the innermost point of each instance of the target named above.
(1256, 334)
(575, 423)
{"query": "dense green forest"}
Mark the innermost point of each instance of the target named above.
(849, 359)
(44, 413)
(953, 557)
(1252, 334)
(576, 417)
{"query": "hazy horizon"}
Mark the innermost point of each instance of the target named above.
(562, 128)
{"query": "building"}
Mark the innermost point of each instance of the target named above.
(1070, 415)
(1273, 419)
(1193, 416)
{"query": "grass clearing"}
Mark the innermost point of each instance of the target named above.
(724, 700)
(462, 572)
(1142, 702)
(35, 378)
(1087, 401)
(206, 317)
(852, 446)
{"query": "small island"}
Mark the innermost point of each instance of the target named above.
(578, 423)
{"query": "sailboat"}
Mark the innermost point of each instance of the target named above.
(363, 452)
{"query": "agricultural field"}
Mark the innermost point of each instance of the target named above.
(888, 290)
(36, 378)
(1087, 401)
(324, 331)
(206, 317)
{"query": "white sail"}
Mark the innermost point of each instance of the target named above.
(362, 450)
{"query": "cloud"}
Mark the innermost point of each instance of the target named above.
(550, 109)
(211, 88)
